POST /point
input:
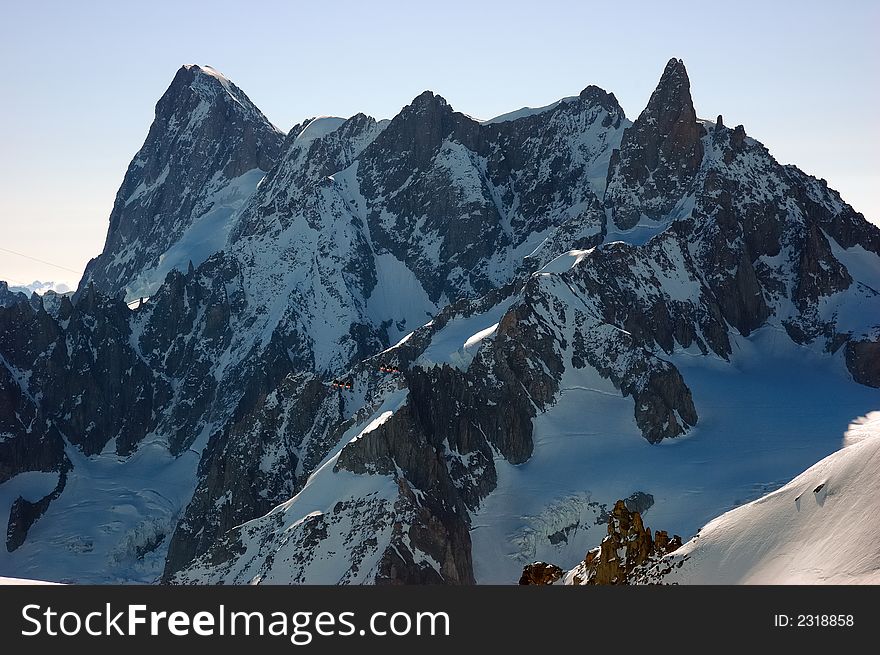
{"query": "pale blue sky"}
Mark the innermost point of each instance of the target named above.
(79, 81)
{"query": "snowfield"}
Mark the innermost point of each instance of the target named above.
(774, 410)
(113, 522)
(21, 581)
(821, 528)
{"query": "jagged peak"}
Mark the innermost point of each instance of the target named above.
(419, 127)
(205, 83)
(675, 68)
(429, 99)
(201, 78)
(598, 96)
(593, 92)
(673, 92)
(210, 71)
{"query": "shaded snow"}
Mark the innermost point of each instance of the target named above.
(863, 265)
(205, 236)
(459, 340)
(565, 261)
(773, 411)
(318, 128)
(111, 509)
(398, 298)
(820, 528)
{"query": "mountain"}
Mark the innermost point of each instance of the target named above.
(10, 295)
(41, 288)
(430, 349)
(206, 151)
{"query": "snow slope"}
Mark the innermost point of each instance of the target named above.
(21, 581)
(773, 411)
(526, 111)
(112, 523)
(206, 235)
(820, 528)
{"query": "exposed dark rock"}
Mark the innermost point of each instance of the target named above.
(659, 154)
(23, 513)
(664, 408)
(540, 573)
(863, 361)
(819, 274)
(8, 297)
(639, 501)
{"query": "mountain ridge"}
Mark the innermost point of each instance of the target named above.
(500, 267)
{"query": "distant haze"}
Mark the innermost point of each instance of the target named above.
(80, 81)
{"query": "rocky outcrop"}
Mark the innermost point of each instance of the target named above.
(628, 548)
(863, 361)
(90, 382)
(250, 465)
(819, 273)
(540, 573)
(24, 513)
(8, 297)
(441, 443)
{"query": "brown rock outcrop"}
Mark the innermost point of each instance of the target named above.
(540, 573)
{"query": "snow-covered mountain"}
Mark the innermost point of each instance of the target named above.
(40, 287)
(569, 308)
(206, 151)
(11, 295)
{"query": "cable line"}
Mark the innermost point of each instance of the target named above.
(42, 261)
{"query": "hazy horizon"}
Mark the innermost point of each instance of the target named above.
(84, 79)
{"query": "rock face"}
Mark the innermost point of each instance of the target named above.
(24, 513)
(8, 297)
(540, 573)
(863, 361)
(628, 548)
(659, 155)
(207, 149)
(447, 274)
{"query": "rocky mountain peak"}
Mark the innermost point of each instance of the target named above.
(673, 89)
(595, 96)
(413, 137)
(428, 100)
(204, 83)
(670, 112)
(206, 150)
(8, 297)
(659, 154)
